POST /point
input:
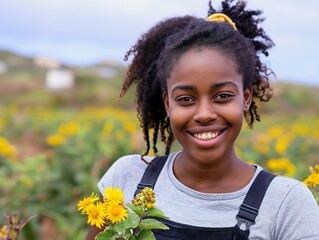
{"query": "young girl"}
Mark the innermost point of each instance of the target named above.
(197, 79)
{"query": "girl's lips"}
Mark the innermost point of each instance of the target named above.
(207, 139)
(206, 136)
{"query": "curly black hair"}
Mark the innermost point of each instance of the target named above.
(158, 49)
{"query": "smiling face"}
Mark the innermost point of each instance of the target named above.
(205, 102)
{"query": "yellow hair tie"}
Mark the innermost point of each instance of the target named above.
(220, 17)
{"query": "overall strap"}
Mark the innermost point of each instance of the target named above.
(248, 210)
(151, 174)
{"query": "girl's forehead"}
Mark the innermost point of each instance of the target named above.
(204, 66)
(202, 59)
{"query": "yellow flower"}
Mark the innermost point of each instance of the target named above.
(275, 132)
(4, 232)
(96, 214)
(150, 205)
(281, 165)
(108, 128)
(114, 195)
(312, 180)
(85, 203)
(146, 197)
(69, 129)
(301, 130)
(55, 140)
(282, 144)
(116, 212)
(129, 126)
(6, 149)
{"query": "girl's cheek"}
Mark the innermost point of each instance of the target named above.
(178, 115)
(232, 113)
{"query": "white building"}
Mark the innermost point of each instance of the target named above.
(58, 79)
(3, 67)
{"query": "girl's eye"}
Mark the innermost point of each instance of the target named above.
(223, 97)
(185, 100)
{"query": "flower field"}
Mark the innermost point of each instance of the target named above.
(50, 158)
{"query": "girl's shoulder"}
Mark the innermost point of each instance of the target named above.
(123, 169)
(129, 164)
(133, 159)
(285, 189)
(280, 182)
(286, 192)
(287, 184)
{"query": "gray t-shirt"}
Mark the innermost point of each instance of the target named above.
(288, 211)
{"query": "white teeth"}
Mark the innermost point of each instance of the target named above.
(206, 136)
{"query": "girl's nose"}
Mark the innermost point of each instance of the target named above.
(205, 112)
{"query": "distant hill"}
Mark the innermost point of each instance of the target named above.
(15, 61)
(293, 98)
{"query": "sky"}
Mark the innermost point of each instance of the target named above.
(84, 32)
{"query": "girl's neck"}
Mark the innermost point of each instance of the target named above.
(229, 175)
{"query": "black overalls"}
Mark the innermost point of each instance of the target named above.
(247, 214)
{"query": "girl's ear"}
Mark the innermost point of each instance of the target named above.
(248, 97)
(165, 99)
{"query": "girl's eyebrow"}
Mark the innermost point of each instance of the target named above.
(213, 86)
(184, 87)
(223, 84)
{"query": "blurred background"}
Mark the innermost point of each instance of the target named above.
(62, 123)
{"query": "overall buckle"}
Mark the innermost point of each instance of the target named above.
(246, 215)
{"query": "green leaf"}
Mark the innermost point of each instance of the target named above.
(130, 222)
(109, 228)
(145, 234)
(155, 212)
(108, 234)
(127, 234)
(152, 224)
(133, 219)
(132, 237)
(137, 209)
(120, 227)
